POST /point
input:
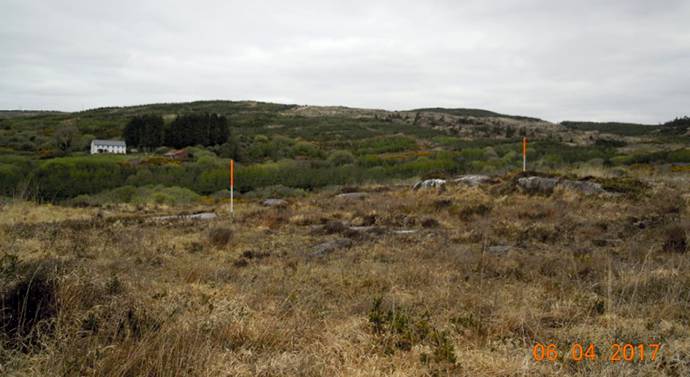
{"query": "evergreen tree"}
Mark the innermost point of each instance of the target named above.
(218, 130)
(223, 132)
(132, 131)
(196, 129)
(177, 132)
(213, 128)
(152, 132)
(144, 131)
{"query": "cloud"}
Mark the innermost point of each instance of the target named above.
(599, 60)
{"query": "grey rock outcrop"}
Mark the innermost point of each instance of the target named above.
(430, 183)
(537, 185)
(274, 203)
(473, 180)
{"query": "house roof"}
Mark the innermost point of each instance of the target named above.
(113, 143)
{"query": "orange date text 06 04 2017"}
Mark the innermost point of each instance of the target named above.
(617, 352)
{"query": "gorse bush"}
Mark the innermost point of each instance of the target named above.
(386, 144)
(11, 177)
(71, 176)
(272, 146)
(338, 158)
(205, 173)
(306, 149)
(13, 174)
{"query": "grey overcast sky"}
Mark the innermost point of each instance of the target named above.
(585, 60)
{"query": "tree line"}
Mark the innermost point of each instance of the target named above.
(150, 131)
(678, 126)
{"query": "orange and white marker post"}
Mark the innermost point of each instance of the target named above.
(232, 186)
(524, 154)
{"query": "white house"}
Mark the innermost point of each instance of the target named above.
(108, 146)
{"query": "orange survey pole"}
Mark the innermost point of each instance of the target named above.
(524, 154)
(232, 185)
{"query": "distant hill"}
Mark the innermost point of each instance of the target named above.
(215, 106)
(228, 107)
(7, 114)
(33, 132)
(678, 126)
(625, 129)
(479, 113)
(300, 146)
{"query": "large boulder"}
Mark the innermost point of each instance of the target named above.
(474, 180)
(430, 183)
(537, 185)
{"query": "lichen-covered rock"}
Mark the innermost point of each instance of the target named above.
(430, 183)
(537, 185)
(474, 180)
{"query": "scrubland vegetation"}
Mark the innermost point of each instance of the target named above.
(44, 156)
(101, 274)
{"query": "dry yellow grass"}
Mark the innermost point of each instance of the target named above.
(135, 297)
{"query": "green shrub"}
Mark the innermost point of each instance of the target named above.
(679, 155)
(387, 144)
(306, 149)
(161, 150)
(11, 177)
(472, 154)
(198, 152)
(123, 194)
(648, 158)
(177, 195)
(337, 158)
(68, 177)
